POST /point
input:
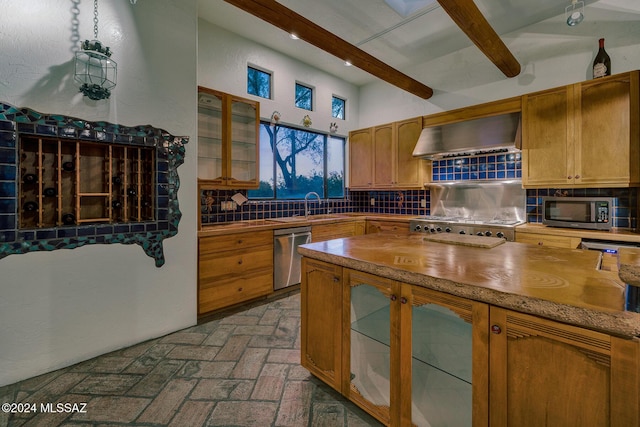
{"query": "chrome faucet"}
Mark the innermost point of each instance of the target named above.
(307, 212)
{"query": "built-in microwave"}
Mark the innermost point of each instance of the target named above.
(593, 213)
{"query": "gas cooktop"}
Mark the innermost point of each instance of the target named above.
(503, 227)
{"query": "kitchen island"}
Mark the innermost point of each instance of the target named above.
(470, 332)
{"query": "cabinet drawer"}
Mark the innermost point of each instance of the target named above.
(381, 226)
(232, 242)
(321, 233)
(216, 266)
(548, 240)
(215, 294)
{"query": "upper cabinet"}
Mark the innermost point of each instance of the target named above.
(583, 135)
(228, 140)
(381, 157)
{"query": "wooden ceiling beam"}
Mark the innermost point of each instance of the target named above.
(471, 21)
(286, 19)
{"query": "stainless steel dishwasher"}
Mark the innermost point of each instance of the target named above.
(286, 259)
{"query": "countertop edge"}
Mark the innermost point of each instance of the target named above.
(626, 322)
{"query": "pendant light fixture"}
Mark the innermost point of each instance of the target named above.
(574, 13)
(94, 69)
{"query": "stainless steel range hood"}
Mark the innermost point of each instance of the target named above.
(501, 132)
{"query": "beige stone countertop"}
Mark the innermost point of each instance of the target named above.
(296, 221)
(629, 265)
(618, 235)
(555, 283)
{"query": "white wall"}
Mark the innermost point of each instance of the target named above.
(64, 306)
(551, 54)
(222, 64)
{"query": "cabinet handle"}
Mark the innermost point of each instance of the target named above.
(240, 241)
(495, 329)
(569, 177)
(393, 297)
(577, 176)
(403, 300)
(239, 262)
(540, 243)
(336, 279)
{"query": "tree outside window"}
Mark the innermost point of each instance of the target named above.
(258, 82)
(294, 162)
(338, 107)
(304, 97)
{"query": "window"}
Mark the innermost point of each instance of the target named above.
(258, 82)
(304, 97)
(294, 162)
(338, 107)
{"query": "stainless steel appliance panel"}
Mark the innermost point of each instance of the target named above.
(286, 259)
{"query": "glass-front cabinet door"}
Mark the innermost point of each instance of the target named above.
(244, 142)
(416, 357)
(210, 137)
(369, 356)
(449, 360)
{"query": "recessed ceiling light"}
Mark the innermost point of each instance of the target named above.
(293, 36)
(347, 64)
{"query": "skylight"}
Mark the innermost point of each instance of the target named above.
(406, 7)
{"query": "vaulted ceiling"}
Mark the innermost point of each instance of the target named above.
(416, 32)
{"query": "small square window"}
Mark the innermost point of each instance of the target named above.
(338, 106)
(304, 97)
(258, 82)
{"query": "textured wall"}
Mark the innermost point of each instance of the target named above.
(61, 307)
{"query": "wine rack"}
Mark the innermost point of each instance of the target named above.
(70, 182)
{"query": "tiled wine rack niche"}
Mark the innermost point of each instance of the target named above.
(65, 182)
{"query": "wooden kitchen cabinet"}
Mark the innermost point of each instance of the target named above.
(336, 230)
(381, 157)
(361, 159)
(409, 355)
(380, 226)
(321, 321)
(548, 240)
(228, 140)
(583, 135)
(234, 268)
(408, 352)
(548, 373)
(387, 345)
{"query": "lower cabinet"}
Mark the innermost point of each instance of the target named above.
(408, 356)
(377, 226)
(336, 230)
(548, 240)
(234, 268)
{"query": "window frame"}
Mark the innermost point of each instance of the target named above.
(311, 95)
(344, 107)
(263, 71)
(325, 186)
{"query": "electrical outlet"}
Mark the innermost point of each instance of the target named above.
(373, 201)
(423, 203)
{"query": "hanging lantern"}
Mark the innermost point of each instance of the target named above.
(94, 69)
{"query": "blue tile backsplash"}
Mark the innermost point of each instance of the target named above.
(169, 154)
(478, 167)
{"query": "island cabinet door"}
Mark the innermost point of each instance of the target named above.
(321, 320)
(545, 373)
(446, 364)
(371, 312)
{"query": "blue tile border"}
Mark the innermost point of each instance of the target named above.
(170, 153)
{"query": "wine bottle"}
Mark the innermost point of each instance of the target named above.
(50, 192)
(30, 178)
(68, 219)
(116, 204)
(602, 63)
(30, 206)
(131, 191)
